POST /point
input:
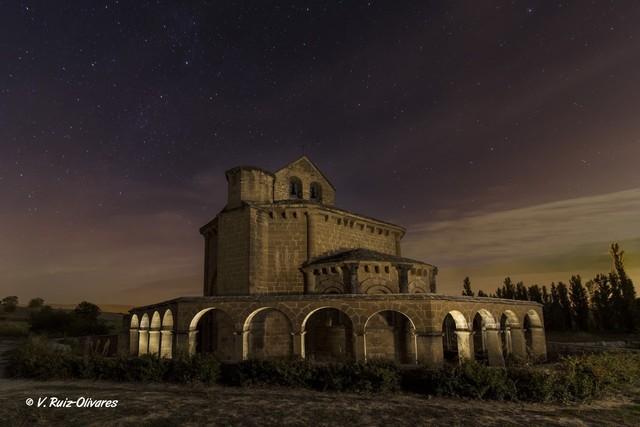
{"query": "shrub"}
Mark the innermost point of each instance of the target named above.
(203, 368)
(572, 379)
(578, 380)
(146, 368)
(356, 377)
(13, 329)
(534, 385)
(37, 358)
(266, 372)
(469, 379)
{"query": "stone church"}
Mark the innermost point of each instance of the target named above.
(287, 274)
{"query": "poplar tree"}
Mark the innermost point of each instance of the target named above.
(466, 287)
(556, 318)
(601, 302)
(579, 303)
(624, 294)
(521, 292)
(508, 290)
(565, 303)
(535, 294)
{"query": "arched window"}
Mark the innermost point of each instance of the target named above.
(295, 188)
(315, 192)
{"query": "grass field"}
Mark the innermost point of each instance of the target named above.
(165, 405)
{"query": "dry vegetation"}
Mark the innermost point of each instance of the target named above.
(163, 404)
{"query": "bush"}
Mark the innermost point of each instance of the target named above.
(534, 385)
(204, 368)
(579, 380)
(13, 329)
(266, 372)
(354, 377)
(572, 379)
(469, 379)
(39, 359)
(35, 359)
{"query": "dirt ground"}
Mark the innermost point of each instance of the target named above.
(168, 405)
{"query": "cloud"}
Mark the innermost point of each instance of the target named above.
(542, 240)
(94, 250)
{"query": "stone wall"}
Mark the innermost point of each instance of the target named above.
(283, 249)
(425, 312)
(257, 245)
(336, 231)
(304, 170)
(280, 238)
(248, 184)
(210, 286)
(233, 252)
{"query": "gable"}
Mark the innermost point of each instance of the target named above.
(306, 166)
(307, 173)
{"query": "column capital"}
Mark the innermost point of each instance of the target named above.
(402, 266)
(351, 266)
(350, 274)
(403, 276)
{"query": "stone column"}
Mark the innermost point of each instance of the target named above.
(298, 344)
(403, 277)
(360, 350)
(464, 346)
(350, 273)
(143, 342)
(538, 343)
(241, 343)
(181, 346)
(311, 230)
(133, 341)
(193, 342)
(154, 342)
(166, 344)
(412, 347)
(518, 343)
(429, 348)
(432, 280)
(494, 347)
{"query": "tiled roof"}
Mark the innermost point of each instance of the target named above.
(362, 255)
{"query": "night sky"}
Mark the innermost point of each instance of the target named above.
(504, 135)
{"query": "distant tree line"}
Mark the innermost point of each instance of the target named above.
(82, 320)
(606, 303)
(10, 303)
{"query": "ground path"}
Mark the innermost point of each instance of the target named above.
(6, 344)
(163, 404)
